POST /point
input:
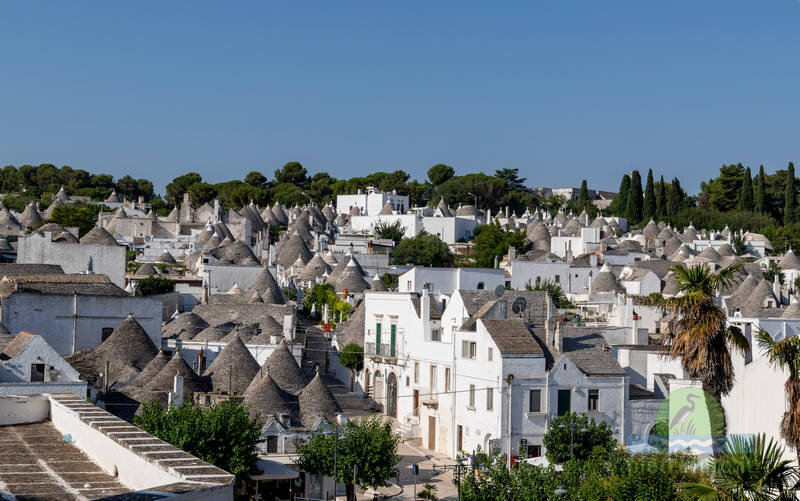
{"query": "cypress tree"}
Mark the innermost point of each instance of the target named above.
(661, 199)
(761, 194)
(674, 198)
(649, 208)
(789, 196)
(635, 199)
(622, 197)
(583, 196)
(746, 201)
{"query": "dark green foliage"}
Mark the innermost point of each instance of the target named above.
(724, 191)
(661, 200)
(423, 250)
(292, 173)
(761, 197)
(620, 203)
(352, 357)
(390, 280)
(790, 196)
(511, 178)
(675, 198)
(84, 216)
(492, 241)
(428, 492)
(583, 194)
(180, 185)
(223, 434)
(394, 231)
(200, 193)
(154, 285)
(440, 173)
(558, 437)
(635, 199)
(321, 295)
(649, 208)
(738, 244)
(555, 290)
(605, 475)
(486, 190)
(256, 179)
(367, 443)
(772, 271)
(746, 194)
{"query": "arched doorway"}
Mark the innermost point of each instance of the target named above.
(377, 393)
(366, 381)
(391, 400)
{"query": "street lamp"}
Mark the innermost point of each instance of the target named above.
(572, 435)
(476, 199)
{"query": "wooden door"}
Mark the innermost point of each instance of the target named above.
(432, 433)
(416, 402)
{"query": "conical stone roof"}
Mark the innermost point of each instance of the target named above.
(233, 369)
(267, 399)
(387, 209)
(317, 401)
(651, 230)
(606, 282)
(726, 250)
(166, 258)
(30, 217)
(280, 214)
(151, 370)
(789, 261)
(9, 225)
(146, 270)
(267, 287)
(792, 311)
(98, 236)
(127, 349)
(164, 381)
(351, 279)
(283, 368)
(113, 198)
(377, 285)
(315, 268)
(291, 249)
(188, 321)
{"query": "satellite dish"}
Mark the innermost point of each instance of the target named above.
(518, 306)
(499, 290)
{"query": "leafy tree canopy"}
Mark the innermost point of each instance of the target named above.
(587, 435)
(423, 250)
(440, 173)
(493, 241)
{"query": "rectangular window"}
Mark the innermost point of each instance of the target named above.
(433, 377)
(408, 286)
(489, 399)
(436, 335)
(416, 372)
(472, 395)
(37, 373)
(558, 279)
(464, 349)
(447, 379)
(105, 333)
(491, 354)
(534, 451)
(473, 350)
(535, 404)
(564, 402)
(594, 396)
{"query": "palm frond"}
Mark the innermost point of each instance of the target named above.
(737, 339)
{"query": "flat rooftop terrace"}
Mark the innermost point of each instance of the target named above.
(59, 447)
(38, 463)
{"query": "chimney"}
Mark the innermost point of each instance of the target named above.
(204, 294)
(176, 396)
(201, 362)
(506, 211)
(633, 338)
(569, 252)
(558, 341)
(547, 318)
(141, 201)
(288, 327)
(425, 306)
(776, 288)
(593, 260)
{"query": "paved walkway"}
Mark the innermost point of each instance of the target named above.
(427, 461)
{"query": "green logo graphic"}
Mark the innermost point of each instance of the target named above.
(693, 419)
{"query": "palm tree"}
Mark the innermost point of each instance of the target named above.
(748, 469)
(697, 331)
(785, 354)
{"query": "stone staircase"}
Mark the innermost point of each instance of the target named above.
(316, 351)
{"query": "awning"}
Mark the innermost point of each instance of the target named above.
(272, 470)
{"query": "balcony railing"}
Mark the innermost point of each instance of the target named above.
(386, 348)
(381, 350)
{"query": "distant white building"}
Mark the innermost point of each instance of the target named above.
(448, 280)
(28, 365)
(370, 202)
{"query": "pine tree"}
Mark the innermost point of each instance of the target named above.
(746, 202)
(649, 208)
(621, 200)
(789, 196)
(674, 198)
(635, 199)
(661, 200)
(761, 194)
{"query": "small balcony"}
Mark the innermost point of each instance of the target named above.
(386, 351)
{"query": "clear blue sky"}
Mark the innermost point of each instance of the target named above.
(562, 90)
